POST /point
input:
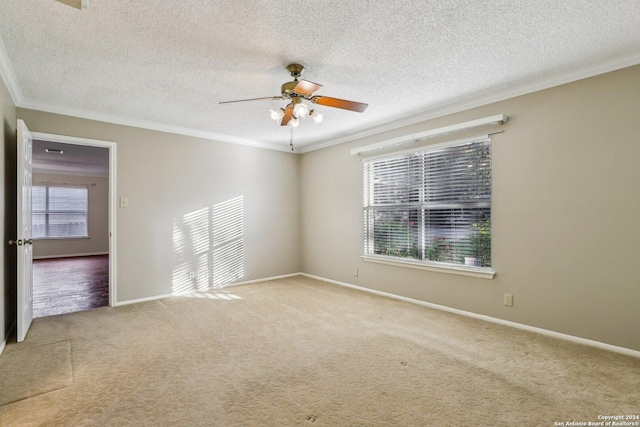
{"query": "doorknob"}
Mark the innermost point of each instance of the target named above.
(16, 242)
(28, 242)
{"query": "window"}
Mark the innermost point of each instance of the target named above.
(432, 205)
(59, 212)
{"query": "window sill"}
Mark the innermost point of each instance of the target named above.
(484, 273)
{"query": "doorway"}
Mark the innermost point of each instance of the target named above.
(73, 224)
(70, 284)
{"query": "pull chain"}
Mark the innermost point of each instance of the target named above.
(291, 138)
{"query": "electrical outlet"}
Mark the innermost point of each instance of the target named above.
(194, 274)
(355, 272)
(508, 300)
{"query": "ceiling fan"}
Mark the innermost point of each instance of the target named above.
(299, 90)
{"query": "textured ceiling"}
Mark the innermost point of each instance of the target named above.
(170, 62)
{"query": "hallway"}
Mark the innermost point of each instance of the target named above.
(66, 285)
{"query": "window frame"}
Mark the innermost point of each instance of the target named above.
(47, 211)
(452, 268)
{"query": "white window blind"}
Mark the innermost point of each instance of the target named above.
(59, 212)
(431, 205)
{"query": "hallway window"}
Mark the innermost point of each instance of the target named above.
(59, 212)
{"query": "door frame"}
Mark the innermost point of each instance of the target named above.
(111, 146)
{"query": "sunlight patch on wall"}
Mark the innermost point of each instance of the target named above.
(228, 263)
(227, 220)
(209, 247)
(198, 230)
(228, 229)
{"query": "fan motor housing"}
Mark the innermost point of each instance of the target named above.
(287, 89)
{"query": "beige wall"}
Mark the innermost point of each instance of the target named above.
(98, 218)
(566, 207)
(175, 184)
(7, 211)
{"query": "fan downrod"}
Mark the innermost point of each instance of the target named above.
(296, 70)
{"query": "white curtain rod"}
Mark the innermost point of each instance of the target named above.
(492, 120)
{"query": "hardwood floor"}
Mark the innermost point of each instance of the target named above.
(66, 285)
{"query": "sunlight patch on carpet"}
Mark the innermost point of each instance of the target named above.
(218, 295)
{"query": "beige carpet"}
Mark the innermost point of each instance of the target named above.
(39, 370)
(299, 352)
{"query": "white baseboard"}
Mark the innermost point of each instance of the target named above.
(3, 344)
(157, 297)
(265, 279)
(145, 299)
(70, 255)
(566, 337)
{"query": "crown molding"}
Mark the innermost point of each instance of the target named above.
(556, 79)
(10, 80)
(144, 124)
(547, 82)
(9, 76)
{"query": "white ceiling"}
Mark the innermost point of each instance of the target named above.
(167, 64)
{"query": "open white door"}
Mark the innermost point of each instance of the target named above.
(24, 240)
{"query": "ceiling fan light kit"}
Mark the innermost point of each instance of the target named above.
(317, 117)
(277, 115)
(301, 110)
(300, 90)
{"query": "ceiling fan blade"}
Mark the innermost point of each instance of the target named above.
(288, 113)
(252, 99)
(78, 4)
(305, 87)
(339, 103)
